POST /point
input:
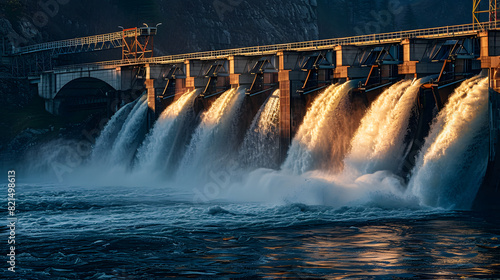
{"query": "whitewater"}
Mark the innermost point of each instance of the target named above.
(190, 199)
(335, 159)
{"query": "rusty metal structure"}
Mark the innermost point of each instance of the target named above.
(477, 11)
(137, 43)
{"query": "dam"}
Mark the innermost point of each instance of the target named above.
(365, 157)
(300, 106)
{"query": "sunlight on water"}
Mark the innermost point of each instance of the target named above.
(213, 142)
(164, 144)
(382, 129)
(453, 161)
(319, 139)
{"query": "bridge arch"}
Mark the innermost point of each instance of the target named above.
(86, 93)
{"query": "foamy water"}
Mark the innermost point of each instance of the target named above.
(335, 209)
(320, 142)
(453, 161)
(165, 144)
(260, 148)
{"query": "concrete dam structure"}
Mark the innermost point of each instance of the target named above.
(414, 103)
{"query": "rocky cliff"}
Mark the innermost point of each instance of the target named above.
(198, 25)
(187, 26)
(339, 18)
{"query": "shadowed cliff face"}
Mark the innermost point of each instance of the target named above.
(188, 26)
(209, 25)
(199, 25)
(339, 18)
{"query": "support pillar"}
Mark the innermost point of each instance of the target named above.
(238, 71)
(150, 83)
(292, 105)
(490, 56)
(194, 75)
(490, 62)
(489, 193)
(414, 57)
(285, 113)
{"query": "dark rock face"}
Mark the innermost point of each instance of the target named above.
(209, 25)
(188, 26)
(342, 18)
(200, 25)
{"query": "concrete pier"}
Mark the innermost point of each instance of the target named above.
(348, 66)
(194, 75)
(299, 70)
(292, 109)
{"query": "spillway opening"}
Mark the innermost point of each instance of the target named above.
(348, 146)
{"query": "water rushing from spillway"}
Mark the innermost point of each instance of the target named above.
(213, 142)
(453, 161)
(165, 144)
(198, 198)
(106, 139)
(342, 154)
(379, 142)
(130, 135)
(260, 148)
(324, 135)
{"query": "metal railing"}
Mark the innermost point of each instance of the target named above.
(77, 42)
(437, 32)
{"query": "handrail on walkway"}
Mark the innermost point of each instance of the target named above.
(76, 42)
(436, 32)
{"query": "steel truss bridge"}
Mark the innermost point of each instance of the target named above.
(136, 43)
(137, 47)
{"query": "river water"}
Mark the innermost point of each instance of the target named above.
(191, 199)
(146, 233)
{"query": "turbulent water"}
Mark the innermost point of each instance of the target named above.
(382, 131)
(453, 161)
(165, 144)
(195, 203)
(260, 149)
(213, 142)
(324, 135)
(83, 232)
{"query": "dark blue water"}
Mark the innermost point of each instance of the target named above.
(198, 218)
(75, 232)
